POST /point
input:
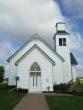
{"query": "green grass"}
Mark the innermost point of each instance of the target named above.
(65, 102)
(81, 80)
(9, 100)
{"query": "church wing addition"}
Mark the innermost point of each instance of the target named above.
(73, 60)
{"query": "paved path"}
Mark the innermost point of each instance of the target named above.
(32, 102)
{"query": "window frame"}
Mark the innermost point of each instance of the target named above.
(62, 42)
(35, 67)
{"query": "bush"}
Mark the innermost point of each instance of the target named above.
(78, 90)
(2, 73)
(22, 90)
(59, 87)
(11, 87)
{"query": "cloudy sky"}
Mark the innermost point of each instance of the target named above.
(20, 19)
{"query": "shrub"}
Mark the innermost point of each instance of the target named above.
(59, 87)
(78, 90)
(11, 87)
(22, 90)
(2, 73)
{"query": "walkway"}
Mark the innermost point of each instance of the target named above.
(32, 102)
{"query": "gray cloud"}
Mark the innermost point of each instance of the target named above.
(25, 17)
(20, 19)
(6, 50)
(75, 7)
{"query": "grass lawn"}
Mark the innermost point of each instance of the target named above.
(65, 102)
(81, 80)
(8, 100)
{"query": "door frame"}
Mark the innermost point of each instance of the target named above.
(40, 83)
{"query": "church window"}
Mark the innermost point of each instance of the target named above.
(62, 41)
(35, 67)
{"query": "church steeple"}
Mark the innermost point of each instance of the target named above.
(60, 35)
(60, 26)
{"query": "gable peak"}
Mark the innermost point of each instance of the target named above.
(35, 36)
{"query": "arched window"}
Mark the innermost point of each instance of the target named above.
(35, 74)
(35, 67)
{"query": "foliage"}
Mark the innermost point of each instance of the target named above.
(65, 102)
(2, 70)
(81, 80)
(5, 80)
(59, 87)
(9, 100)
(22, 90)
(79, 89)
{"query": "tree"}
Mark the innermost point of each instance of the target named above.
(2, 70)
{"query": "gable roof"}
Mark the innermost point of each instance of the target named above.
(35, 37)
(39, 49)
(62, 33)
(73, 60)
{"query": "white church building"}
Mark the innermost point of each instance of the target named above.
(37, 66)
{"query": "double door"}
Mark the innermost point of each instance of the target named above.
(35, 81)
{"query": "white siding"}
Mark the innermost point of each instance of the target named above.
(24, 70)
(74, 72)
(65, 53)
(60, 73)
(13, 68)
(12, 74)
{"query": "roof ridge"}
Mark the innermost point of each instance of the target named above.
(35, 36)
(35, 46)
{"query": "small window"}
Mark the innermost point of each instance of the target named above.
(32, 74)
(33, 81)
(38, 73)
(62, 41)
(35, 67)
